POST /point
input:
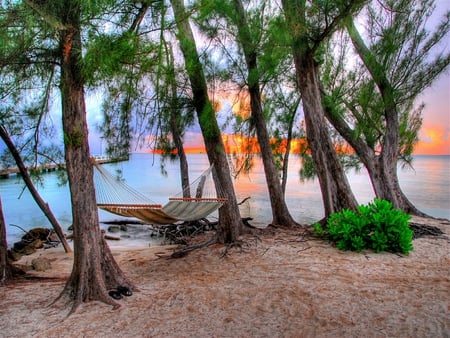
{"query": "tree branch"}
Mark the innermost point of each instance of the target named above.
(51, 20)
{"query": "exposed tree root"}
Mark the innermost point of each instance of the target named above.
(241, 245)
(185, 232)
(75, 303)
(421, 230)
(11, 274)
(183, 252)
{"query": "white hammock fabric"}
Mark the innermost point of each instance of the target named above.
(115, 196)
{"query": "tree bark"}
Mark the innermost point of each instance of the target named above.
(289, 137)
(383, 168)
(174, 124)
(280, 212)
(230, 223)
(29, 183)
(94, 268)
(5, 268)
(336, 191)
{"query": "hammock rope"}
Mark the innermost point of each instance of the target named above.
(111, 190)
(115, 196)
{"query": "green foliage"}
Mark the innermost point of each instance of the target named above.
(107, 55)
(377, 226)
(308, 170)
(75, 139)
(404, 56)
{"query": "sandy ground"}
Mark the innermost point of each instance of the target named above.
(276, 285)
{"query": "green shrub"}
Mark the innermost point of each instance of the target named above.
(377, 226)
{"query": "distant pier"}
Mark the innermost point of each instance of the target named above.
(49, 167)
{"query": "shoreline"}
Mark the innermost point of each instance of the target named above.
(426, 187)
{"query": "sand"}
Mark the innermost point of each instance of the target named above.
(276, 285)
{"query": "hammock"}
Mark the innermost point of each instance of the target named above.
(115, 196)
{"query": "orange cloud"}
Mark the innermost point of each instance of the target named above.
(241, 144)
(433, 140)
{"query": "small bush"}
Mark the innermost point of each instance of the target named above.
(377, 226)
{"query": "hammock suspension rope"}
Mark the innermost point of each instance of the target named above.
(115, 196)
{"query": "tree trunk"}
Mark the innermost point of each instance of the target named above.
(385, 182)
(230, 223)
(384, 173)
(5, 268)
(94, 268)
(336, 191)
(280, 212)
(29, 183)
(384, 188)
(289, 137)
(184, 166)
(174, 124)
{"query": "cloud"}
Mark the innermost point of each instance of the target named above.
(434, 140)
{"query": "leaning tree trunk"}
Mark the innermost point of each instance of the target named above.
(384, 175)
(384, 178)
(94, 268)
(29, 183)
(373, 164)
(230, 223)
(336, 191)
(280, 212)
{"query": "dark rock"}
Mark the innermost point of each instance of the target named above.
(37, 233)
(117, 228)
(18, 246)
(28, 250)
(37, 244)
(14, 255)
(25, 248)
(114, 228)
(53, 237)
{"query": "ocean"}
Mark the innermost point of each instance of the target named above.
(427, 186)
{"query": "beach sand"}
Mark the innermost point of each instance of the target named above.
(278, 284)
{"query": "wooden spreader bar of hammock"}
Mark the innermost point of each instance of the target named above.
(130, 206)
(198, 199)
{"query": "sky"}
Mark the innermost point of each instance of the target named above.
(434, 136)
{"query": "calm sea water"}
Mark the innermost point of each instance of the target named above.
(427, 186)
